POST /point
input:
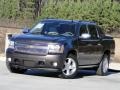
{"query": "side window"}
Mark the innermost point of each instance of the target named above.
(93, 31)
(83, 29)
(100, 32)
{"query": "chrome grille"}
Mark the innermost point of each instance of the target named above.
(31, 47)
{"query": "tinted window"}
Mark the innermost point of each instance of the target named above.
(101, 33)
(83, 29)
(50, 28)
(66, 29)
(92, 31)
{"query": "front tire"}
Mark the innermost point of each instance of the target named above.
(70, 68)
(15, 70)
(103, 66)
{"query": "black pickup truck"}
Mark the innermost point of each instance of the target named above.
(63, 45)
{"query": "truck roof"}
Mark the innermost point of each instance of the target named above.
(69, 21)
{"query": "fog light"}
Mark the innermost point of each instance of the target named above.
(55, 64)
(9, 59)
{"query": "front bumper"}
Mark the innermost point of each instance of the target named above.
(52, 61)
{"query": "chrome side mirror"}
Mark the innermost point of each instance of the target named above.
(85, 36)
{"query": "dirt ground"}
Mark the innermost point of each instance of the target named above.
(117, 50)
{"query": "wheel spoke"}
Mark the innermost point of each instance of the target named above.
(68, 72)
(72, 67)
(65, 63)
(69, 61)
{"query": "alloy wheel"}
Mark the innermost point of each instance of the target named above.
(70, 67)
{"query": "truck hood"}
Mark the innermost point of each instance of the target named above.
(56, 39)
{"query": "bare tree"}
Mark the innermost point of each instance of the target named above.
(38, 6)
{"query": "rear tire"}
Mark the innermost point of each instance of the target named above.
(70, 68)
(103, 66)
(15, 70)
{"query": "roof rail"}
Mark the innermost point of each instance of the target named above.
(50, 18)
(88, 21)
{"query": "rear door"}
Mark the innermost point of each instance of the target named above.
(95, 45)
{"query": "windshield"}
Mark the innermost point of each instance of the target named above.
(64, 29)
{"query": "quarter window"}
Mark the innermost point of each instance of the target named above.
(101, 33)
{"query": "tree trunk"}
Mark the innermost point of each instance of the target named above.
(38, 6)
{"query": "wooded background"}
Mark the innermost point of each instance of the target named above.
(105, 12)
(17, 14)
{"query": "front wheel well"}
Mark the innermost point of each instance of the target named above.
(73, 52)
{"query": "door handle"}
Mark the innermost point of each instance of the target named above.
(89, 44)
(98, 44)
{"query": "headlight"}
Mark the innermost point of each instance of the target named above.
(11, 44)
(55, 48)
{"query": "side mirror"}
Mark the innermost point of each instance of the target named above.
(26, 30)
(85, 36)
(9, 36)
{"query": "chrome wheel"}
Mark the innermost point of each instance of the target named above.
(105, 65)
(70, 67)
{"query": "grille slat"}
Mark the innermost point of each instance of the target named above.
(32, 48)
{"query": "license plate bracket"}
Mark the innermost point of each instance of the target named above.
(28, 63)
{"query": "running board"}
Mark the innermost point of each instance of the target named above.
(89, 66)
